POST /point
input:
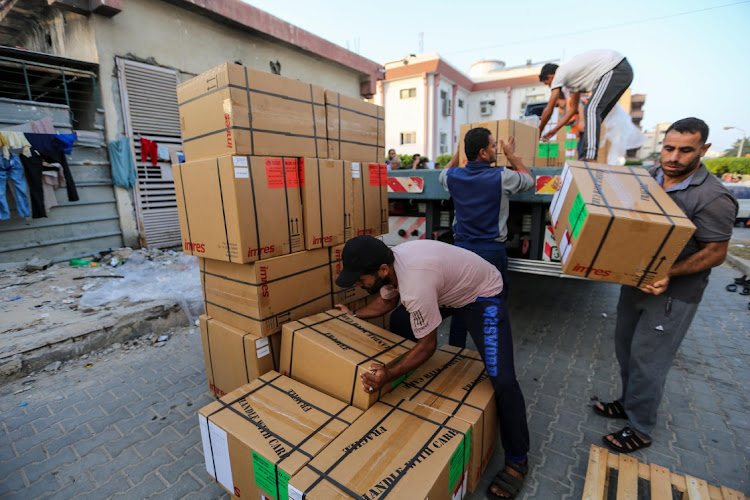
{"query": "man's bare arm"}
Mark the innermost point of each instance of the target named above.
(710, 255)
(378, 307)
(547, 113)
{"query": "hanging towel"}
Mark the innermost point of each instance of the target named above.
(123, 166)
(43, 126)
(14, 140)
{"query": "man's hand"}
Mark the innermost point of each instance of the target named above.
(375, 379)
(546, 137)
(509, 148)
(656, 288)
(556, 183)
(343, 308)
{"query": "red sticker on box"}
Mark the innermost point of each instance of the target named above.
(277, 176)
(378, 174)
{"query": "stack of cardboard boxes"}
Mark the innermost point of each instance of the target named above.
(279, 175)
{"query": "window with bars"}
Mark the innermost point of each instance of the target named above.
(40, 82)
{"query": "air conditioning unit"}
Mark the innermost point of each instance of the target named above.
(485, 110)
(447, 107)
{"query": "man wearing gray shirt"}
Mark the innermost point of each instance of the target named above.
(653, 320)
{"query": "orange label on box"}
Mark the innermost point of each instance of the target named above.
(278, 177)
(378, 174)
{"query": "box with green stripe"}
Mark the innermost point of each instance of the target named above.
(259, 298)
(258, 436)
(396, 450)
(455, 382)
(330, 351)
(616, 224)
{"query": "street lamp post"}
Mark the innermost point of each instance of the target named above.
(742, 143)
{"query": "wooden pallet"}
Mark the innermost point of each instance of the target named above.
(661, 482)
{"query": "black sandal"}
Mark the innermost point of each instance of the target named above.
(611, 410)
(629, 441)
(507, 482)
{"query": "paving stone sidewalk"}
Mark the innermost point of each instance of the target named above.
(127, 427)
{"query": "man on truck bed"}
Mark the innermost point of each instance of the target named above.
(480, 200)
(432, 280)
(604, 73)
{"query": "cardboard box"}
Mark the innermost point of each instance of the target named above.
(616, 224)
(234, 357)
(327, 202)
(356, 128)
(232, 109)
(370, 187)
(552, 153)
(261, 434)
(342, 295)
(455, 382)
(397, 449)
(526, 140)
(239, 208)
(258, 298)
(329, 351)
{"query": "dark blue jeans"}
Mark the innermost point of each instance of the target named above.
(498, 258)
(489, 326)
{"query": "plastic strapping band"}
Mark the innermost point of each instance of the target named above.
(229, 309)
(249, 114)
(286, 199)
(244, 354)
(320, 207)
(246, 87)
(339, 111)
(265, 282)
(315, 126)
(647, 271)
(210, 358)
(255, 206)
(609, 224)
(223, 212)
(223, 130)
(184, 202)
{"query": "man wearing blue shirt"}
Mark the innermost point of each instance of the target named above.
(480, 200)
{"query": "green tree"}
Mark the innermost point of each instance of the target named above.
(736, 147)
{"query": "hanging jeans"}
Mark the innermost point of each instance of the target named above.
(12, 169)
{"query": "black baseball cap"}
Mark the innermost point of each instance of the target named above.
(361, 255)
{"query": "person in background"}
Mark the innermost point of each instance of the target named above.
(417, 162)
(391, 155)
(605, 73)
(395, 163)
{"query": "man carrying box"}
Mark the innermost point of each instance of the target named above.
(434, 280)
(604, 73)
(653, 320)
(480, 199)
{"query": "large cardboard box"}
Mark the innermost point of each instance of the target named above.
(370, 185)
(239, 208)
(329, 351)
(259, 435)
(327, 202)
(356, 129)
(258, 298)
(553, 152)
(616, 224)
(232, 109)
(342, 295)
(397, 449)
(526, 140)
(234, 357)
(455, 382)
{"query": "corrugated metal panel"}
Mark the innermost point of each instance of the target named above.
(71, 229)
(149, 96)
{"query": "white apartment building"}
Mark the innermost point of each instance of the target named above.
(427, 100)
(654, 140)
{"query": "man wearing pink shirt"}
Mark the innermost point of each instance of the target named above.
(434, 280)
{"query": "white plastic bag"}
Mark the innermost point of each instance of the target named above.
(145, 280)
(622, 134)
